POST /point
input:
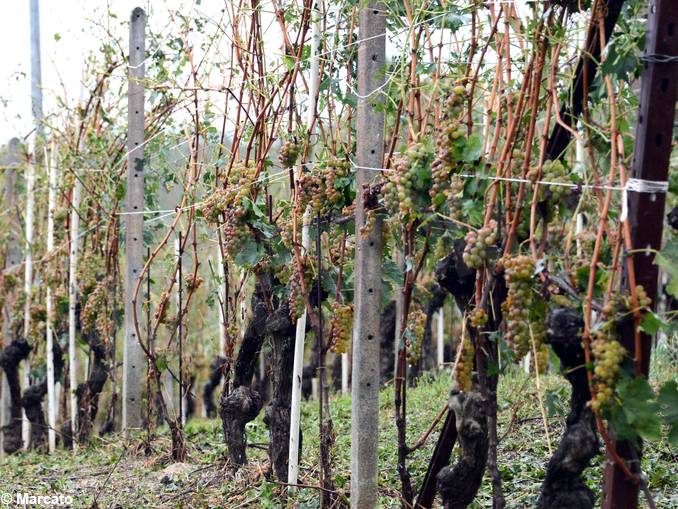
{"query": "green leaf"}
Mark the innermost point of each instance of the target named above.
(472, 149)
(639, 407)
(668, 402)
(161, 362)
(250, 254)
(652, 323)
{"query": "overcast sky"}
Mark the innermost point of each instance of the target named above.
(62, 59)
(68, 34)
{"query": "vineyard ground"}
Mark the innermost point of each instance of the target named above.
(119, 474)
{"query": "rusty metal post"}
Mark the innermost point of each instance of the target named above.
(652, 149)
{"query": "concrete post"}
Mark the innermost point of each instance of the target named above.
(370, 147)
(134, 221)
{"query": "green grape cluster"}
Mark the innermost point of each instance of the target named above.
(414, 333)
(402, 186)
(477, 244)
(95, 317)
(229, 195)
(335, 169)
(644, 301)
(518, 275)
(445, 187)
(608, 353)
(90, 270)
(540, 361)
(517, 161)
(370, 221)
(341, 326)
(464, 367)
(296, 299)
(289, 153)
(478, 317)
(552, 171)
(454, 195)
(236, 230)
(322, 188)
(310, 191)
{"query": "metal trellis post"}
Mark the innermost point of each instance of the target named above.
(652, 149)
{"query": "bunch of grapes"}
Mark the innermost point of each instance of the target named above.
(552, 171)
(289, 153)
(297, 302)
(414, 333)
(370, 221)
(230, 194)
(336, 169)
(341, 326)
(540, 361)
(643, 300)
(403, 183)
(90, 270)
(161, 309)
(464, 367)
(517, 161)
(478, 317)
(608, 354)
(477, 244)
(454, 195)
(193, 282)
(236, 230)
(95, 318)
(445, 188)
(518, 274)
(312, 191)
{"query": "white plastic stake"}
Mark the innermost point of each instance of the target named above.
(72, 302)
(440, 337)
(297, 370)
(345, 365)
(49, 354)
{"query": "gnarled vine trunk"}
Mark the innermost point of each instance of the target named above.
(563, 485)
(281, 330)
(88, 393)
(10, 359)
(213, 382)
(32, 402)
(243, 404)
(459, 484)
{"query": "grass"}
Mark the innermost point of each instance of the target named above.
(118, 473)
